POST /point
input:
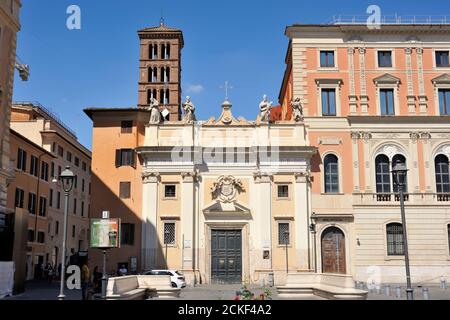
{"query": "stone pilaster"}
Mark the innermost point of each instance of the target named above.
(187, 223)
(364, 100)
(149, 220)
(302, 214)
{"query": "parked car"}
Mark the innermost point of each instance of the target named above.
(176, 278)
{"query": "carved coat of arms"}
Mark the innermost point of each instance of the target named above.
(226, 188)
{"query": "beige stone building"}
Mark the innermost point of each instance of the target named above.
(9, 26)
(43, 128)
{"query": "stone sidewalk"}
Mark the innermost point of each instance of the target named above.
(44, 291)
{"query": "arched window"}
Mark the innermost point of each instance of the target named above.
(151, 94)
(398, 158)
(166, 100)
(150, 51)
(383, 176)
(161, 96)
(154, 74)
(162, 74)
(153, 51)
(331, 168)
(441, 166)
(167, 75)
(150, 74)
(394, 237)
(168, 51)
(163, 51)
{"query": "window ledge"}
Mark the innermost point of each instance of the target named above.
(327, 69)
(394, 258)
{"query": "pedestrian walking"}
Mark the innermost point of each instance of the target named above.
(85, 280)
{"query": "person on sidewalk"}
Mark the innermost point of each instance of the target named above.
(85, 280)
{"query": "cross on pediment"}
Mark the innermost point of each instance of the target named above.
(226, 87)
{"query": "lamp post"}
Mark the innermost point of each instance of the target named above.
(286, 242)
(67, 178)
(399, 173)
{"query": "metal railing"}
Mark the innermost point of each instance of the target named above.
(52, 115)
(410, 198)
(392, 19)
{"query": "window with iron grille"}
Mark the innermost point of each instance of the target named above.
(394, 236)
(127, 234)
(125, 190)
(283, 191)
(283, 233)
(442, 174)
(331, 174)
(383, 176)
(170, 191)
(169, 233)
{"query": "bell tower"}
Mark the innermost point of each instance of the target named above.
(160, 68)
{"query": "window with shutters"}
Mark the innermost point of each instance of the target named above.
(124, 157)
(20, 194)
(283, 233)
(22, 160)
(127, 234)
(169, 233)
(34, 166)
(32, 203)
(44, 171)
(42, 206)
(394, 236)
(124, 190)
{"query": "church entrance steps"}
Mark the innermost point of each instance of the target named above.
(329, 286)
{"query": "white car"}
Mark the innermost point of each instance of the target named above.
(176, 278)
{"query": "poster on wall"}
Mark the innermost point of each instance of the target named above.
(105, 233)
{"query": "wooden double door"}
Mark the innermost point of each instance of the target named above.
(226, 256)
(333, 251)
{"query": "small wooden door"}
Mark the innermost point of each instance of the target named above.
(226, 256)
(333, 251)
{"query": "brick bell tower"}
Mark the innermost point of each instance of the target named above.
(160, 68)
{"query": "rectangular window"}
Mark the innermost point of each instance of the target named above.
(444, 102)
(125, 190)
(82, 208)
(327, 59)
(169, 233)
(83, 166)
(126, 127)
(73, 231)
(34, 166)
(124, 157)
(328, 102)
(387, 102)
(42, 206)
(283, 233)
(75, 182)
(60, 151)
(22, 160)
(69, 156)
(385, 59)
(170, 191)
(394, 234)
(41, 237)
(52, 170)
(82, 185)
(20, 194)
(74, 206)
(50, 200)
(44, 171)
(57, 227)
(283, 191)
(89, 188)
(442, 59)
(127, 234)
(77, 161)
(32, 203)
(448, 236)
(58, 200)
(59, 171)
(53, 147)
(30, 235)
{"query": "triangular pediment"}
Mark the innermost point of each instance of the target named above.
(442, 79)
(387, 78)
(226, 207)
(227, 118)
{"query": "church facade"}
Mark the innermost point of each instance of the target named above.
(309, 189)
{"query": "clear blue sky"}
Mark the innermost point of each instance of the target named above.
(239, 41)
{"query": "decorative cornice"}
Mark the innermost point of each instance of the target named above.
(189, 176)
(150, 177)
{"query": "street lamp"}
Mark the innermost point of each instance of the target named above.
(286, 242)
(399, 173)
(67, 178)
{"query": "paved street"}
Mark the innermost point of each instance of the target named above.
(44, 291)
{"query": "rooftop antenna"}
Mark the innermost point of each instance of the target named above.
(161, 21)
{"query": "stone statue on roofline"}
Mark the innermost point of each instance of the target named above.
(189, 111)
(155, 114)
(264, 109)
(297, 110)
